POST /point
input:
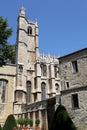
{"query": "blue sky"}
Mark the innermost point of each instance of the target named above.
(62, 23)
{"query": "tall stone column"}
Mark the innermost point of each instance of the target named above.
(33, 90)
(38, 80)
(36, 41)
(34, 118)
(52, 79)
(40, 118)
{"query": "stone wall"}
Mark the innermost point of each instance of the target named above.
(78, 115)
(8, 73)
(74, 79)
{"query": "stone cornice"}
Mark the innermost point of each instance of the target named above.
(67, 91)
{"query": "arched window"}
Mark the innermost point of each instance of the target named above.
(3, 84)
(43, 90)
(57, 88)
(28, 95)
(29, 30)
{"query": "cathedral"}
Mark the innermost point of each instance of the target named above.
(36, 84)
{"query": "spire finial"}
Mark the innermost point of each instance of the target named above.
(36, 22)
(22, 11)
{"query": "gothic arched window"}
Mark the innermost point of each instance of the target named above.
(43, 91)
(3, 85)
(28, 95)
(29, 30)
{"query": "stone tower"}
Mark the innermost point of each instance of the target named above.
(27, 53)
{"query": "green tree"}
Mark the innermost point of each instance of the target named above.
(10, 123)
(62, 120)
(10, 53)
(0, 127)
(5, 33)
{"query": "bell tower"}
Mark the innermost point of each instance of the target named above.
(27, 37)
(27, 54)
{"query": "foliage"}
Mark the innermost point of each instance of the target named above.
(5, 33)
(10, 123)
(23, 121)
(26, 121)
(37, 122)
(0, 127)
(61, 120)
(20, 121)
(31, 122)
(9, 53)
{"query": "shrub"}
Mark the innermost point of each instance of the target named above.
(37, 122)
(20, 121)
(31, 122)
(10, 123)
(26, 121)
(23, 121)
(61, 120)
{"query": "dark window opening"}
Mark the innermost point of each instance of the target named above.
(75, 66)
(28, 96)
(29, 30)
(67, 84)
(75, 103)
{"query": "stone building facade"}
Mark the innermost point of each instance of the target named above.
(73, 75)
(37, 83)
(32, 80)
